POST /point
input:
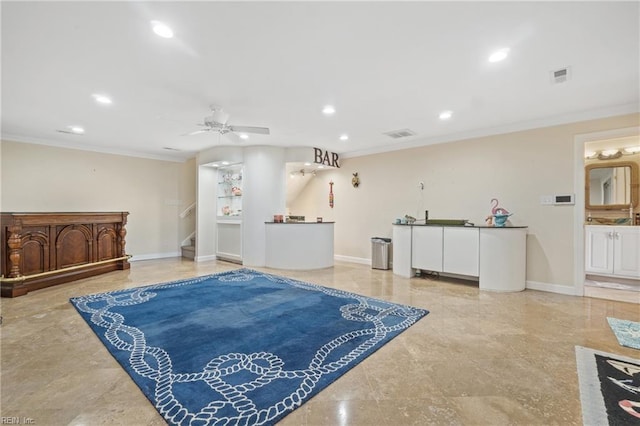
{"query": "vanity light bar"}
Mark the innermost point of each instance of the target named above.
(610, 154)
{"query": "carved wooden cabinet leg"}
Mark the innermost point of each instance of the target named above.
(15, 251)
(123, 264)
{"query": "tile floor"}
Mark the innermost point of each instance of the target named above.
(479, 358)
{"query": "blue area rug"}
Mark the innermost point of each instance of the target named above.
(239, 347)
(627, 332)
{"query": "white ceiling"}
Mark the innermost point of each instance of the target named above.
(383, 65)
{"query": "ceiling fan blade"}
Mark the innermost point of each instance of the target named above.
(249, 129)
(195, 132)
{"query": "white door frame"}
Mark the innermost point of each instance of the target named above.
(579, 188)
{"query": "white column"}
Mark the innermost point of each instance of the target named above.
(206, 213)
(264, 183)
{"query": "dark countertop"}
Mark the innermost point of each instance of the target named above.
(297, 223)
(459, 226)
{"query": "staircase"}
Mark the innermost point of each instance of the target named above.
(189, 251)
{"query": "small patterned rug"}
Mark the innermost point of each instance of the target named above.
(609, 388)
(239, 347)
(627, 332)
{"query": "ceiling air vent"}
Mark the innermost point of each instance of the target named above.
(560, 76)
(397, 134)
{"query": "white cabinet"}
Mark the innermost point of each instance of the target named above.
(503, 259)
(497, 256)
(401, 247)
(453, 250)
(426, 248)
(613, 250)
(461, 251)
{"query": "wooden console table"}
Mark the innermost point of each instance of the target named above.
(44, 249)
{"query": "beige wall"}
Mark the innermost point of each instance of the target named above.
(460, 179)
(37, 178)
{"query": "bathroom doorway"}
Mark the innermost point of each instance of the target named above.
(599, 148)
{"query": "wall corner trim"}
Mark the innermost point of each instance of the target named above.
(552, 288)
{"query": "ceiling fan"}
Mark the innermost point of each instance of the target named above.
(218, 122)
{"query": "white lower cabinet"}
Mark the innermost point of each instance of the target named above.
(426, 248)
(612, 251)
(461, 251)
(497, 256)
(453, 250)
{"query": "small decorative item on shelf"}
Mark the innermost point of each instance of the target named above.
(278, 218)
(500, 219)
(498, 216)
(226, 210)
(236, 190)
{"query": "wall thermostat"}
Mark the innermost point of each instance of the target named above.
(564, 199)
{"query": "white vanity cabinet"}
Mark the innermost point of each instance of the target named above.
(612, 251)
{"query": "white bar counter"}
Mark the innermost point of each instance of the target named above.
(299, 245)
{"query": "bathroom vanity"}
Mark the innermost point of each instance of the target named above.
(612, 251)
(495, 256)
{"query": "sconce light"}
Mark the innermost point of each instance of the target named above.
(632, 150)
(302, 172)
(611, 154)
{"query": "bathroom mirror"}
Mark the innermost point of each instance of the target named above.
(612, 185)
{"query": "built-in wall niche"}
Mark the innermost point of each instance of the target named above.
(229, 191)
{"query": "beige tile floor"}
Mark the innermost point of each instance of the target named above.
(479, 358)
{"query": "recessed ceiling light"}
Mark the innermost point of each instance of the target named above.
(244, 136)
(161, 29)
(632, 149)
(76, 129)
(307, 164)
(499, 55)
(344, 137)
(445, 115)
(225, 163)
(102, 99)
(328, 110)
(321, 167)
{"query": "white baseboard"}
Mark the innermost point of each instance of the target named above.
(552, 288)
(150, 256)
(205, 258)
(352, 259)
